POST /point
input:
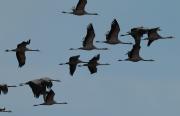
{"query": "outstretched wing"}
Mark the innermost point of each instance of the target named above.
(72, 68)
(88, 40)
(113, 33)
(36, 88)
(81, 5)
(95, 58)
(23, 44)
(137, 33)
(50, 96)
(153, 35)
(92, 65)
(4, 89)
(73, 61)
(74, 58)
(149, 42)
(135, 51)
(92, 69)
(20, 55)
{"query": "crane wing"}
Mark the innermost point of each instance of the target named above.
(88, 40)
(23, 44)
(113, 33)
(92, 69)
(72, 68)
(20, 55)
(4, 89)
(152, 35)
(50, 96)
(81, 5)
(135, 51)
(95, 58)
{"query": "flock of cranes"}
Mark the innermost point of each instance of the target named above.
(42, 86)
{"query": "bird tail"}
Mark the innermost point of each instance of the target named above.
(125, 34)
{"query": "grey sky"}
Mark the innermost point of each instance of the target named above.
(123, 88)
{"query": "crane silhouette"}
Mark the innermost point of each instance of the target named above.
(39, 86)
(112, 35)
(4, 110)
(93, 63)
(4, 88)
(73, 61)
(79, 10)
(154, 35)
(20, 52)
(134, 56)
(49, 99)
(88, 40)
(137, 33)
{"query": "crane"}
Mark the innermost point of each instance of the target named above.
(112, 35)
(39, 86)
(93, 63)
(79, 10)
(88, 40)
(137, 33)
(73, 61)
(134, 56)
(154, 35)
(4, 88)
(20, 52)
(49, 99)
(4, 110)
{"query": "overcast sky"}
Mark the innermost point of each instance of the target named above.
(123, 88)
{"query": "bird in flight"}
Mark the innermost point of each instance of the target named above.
(154, 35)
(134, 56)
(112, 35)
(137, 33)
(20, 52)
(4, 110)
(93, 63)
(4, 88)
(49, 99)
(88, 40)
(79, 10)
(73, 61)
(40, 86)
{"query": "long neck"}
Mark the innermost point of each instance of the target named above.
(56, 80)
(150, 60)
(125, 34)
(27, 49)
(61, 103)
(168, 37)
(104, 64)
(64, 63)
(67, 12)
(40, 104)
(12, 50)
(75, 48)
(87, 13)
